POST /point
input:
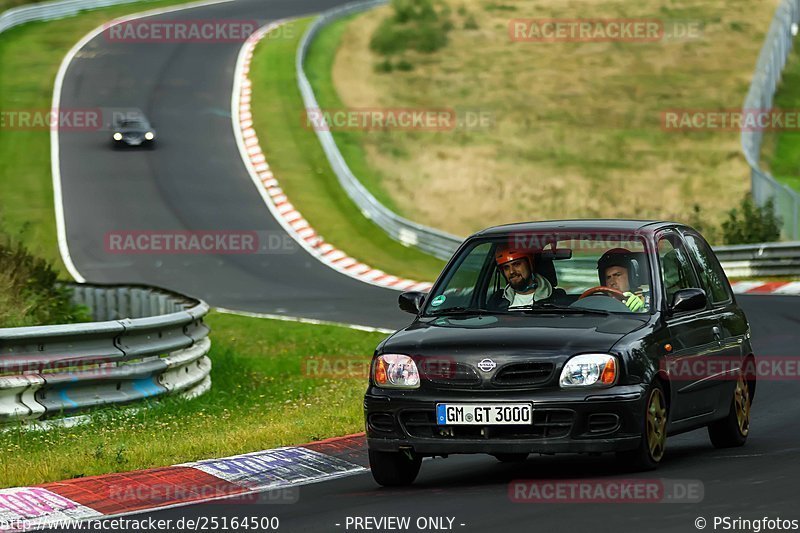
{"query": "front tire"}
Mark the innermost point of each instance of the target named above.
(732, 431)
(650, 451)
(394, 469)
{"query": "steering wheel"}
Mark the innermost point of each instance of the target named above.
(608, 291)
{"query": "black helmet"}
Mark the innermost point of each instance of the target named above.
(622, 258)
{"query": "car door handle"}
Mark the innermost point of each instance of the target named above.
(717, 332)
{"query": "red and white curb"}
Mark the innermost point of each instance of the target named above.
(766, 287)
(269, 187)
(240, 479)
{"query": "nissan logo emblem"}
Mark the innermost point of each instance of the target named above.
(487, 365)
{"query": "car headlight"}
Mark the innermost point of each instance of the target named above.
(118, 136)
(394, 371)
(587, 370)
(149, 135)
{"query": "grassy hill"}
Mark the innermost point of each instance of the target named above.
(575, 128)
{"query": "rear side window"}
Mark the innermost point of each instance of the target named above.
(711, 274)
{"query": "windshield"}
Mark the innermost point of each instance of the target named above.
(579, 272)
(132, 124)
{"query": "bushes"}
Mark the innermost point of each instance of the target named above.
(29, 290)
(419, 25)
(746, 224)
(750, 223)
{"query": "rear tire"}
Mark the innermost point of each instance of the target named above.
(732, 431)
(511, 457)
(394, 469)
(650, 450)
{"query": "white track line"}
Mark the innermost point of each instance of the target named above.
(301, 320)
(55, 163)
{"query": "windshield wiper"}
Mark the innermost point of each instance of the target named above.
(463, 311)
(553, 308)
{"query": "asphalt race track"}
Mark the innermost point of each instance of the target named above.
(195, 180)
(755, 481)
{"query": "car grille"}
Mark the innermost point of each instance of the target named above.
(547, 423)
(451, 375)
(521, 374)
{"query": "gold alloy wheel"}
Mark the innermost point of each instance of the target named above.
(741, 400)
(656, 424)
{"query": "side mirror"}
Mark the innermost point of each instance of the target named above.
(411, 302)
(688, 300)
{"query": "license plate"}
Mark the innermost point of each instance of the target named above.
(495, 414)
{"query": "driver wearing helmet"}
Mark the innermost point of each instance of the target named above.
(524, 285)
(618, 269)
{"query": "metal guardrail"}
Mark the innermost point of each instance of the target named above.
(147, 342)
(766, 78)
(51, 11)
(430, 240)
(754, 260)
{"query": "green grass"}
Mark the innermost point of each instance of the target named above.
(575, 129)
(782, 149)
(29, 59)
(297, 159)
(262, 397)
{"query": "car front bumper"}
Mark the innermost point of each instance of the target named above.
(586, 421)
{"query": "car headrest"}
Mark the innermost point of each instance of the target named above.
(671, 266)
(643, 274)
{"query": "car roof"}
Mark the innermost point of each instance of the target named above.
(610, 224)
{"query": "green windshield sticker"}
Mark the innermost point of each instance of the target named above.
(439, 300)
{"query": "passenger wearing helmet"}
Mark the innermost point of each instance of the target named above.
(524, 286)
(618, 269)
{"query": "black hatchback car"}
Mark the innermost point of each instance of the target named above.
(582, 336)
(133, 130)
